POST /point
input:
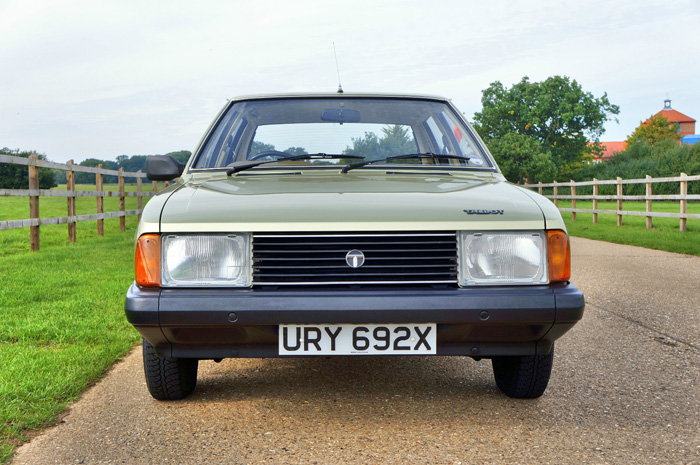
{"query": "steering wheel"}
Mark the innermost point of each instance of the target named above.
(271, 154)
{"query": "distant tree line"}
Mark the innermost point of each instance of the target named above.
(395, 140)
(131, 164)
(17, 176)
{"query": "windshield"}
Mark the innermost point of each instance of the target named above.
(361, 128)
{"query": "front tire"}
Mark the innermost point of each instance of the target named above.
(168, 378)
(523, 377)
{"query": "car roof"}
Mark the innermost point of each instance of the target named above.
(343, 95)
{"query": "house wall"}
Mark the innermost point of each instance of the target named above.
(687, 128)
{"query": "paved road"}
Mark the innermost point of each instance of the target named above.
(625, 390)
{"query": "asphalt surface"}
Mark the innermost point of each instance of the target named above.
(625, 389)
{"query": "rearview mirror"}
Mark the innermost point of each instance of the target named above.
(341, 116)
(163, 168)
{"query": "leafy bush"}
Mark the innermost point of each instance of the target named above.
(664, 159)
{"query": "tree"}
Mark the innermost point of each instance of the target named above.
(259, 147)
(296, 151)
(130, 163)
(17, 176)
(89, 178)
(523, 158)
(395, 141)
(182, 156)
(556, 114)
(653, 130)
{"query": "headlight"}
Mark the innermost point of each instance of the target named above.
(502, 258)
(206, 260)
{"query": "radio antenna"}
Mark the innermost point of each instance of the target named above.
(340, 87)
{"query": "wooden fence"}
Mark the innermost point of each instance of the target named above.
(34, 193)
(682, 197)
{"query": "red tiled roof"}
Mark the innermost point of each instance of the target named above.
(611, 148)
(674, 116)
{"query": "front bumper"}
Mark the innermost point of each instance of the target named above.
(481, 322)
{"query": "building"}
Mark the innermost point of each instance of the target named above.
(686, 123)
(692, 139)
(686, 129)
(610, 149)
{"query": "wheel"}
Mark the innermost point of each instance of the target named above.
(168, 378)
(271, 154)
(523, 377)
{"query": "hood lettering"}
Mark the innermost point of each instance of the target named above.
(484, 212)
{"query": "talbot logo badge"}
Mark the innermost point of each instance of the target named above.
(355, 258)
(483, 212)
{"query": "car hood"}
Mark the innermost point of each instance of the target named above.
(348, 202)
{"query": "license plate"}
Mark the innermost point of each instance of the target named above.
(352, 339)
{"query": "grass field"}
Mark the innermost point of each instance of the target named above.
(17, 208)
(62, 322)
(665, 234)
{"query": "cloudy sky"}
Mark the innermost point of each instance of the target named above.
(94, 78)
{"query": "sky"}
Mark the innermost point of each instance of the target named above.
(96, 79)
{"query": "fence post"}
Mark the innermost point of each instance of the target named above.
(70, 186)
(154, 187)
(122, 203)
(648, 202)
(595, 201)
(684, 202)
(619, 201)
(573, 201)
(34, 202)
(99, 187)
(556, 194)
(539, 187)
(139, 190)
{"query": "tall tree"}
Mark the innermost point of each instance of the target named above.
(653, 130)
(557, 115)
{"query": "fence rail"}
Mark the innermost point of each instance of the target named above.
(34, 222)
(682, 197)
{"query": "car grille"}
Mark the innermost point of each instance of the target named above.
(320, 259)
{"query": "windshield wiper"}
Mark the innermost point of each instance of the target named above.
(431, 155)
(306, 156)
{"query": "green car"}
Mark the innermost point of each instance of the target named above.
(343, 225)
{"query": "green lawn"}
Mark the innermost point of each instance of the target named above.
(62, 322)
(665, 234)
(17, 208)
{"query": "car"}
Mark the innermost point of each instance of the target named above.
(347, 225)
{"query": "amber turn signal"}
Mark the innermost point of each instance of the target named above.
(147, 260)
(559, 256)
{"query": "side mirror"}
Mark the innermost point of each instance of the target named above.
(163, 168)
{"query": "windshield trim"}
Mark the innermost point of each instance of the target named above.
(376, 167)
(481, 146)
